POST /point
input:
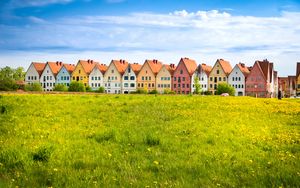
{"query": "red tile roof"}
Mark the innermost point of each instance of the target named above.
(190, 65)
(205, 68)
(136, 67)
(55, 66)
(225, 66)
(121, 65)
(69, 67)
(101, 67)
(154, 65)
(298, 70)
(39, 67)
(171, 68)
(244, 69)
(87, 65)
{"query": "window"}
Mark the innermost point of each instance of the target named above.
(125, 84)
(174, 85)
(158, 85)
(187, 85)
(218, 72)
(109, 78)
(125, 77)
(92, 78)
(220, 79)
(112, 71)
(152, 84)
(242, 86)
(161, 78)
(146, 77)
(96, 78)
(47, 71)
(142, 84)
(232, 78)
(142, 77)
(92, 84)
(138, 84)
(183, 78)
(116, 78)
(116, 85)
(81, 78)
(99, 78)
(112, 78)
(129, 70)
(183, 85)
(178, 85)
(149, 85)
(169, 78)
(210, 85)
(132, 85)
(211, 79)
(132, 78)
(239, 78)
(181, 71)
(224, 79)
(35, 77)
(47, 77)
(28, 77)
(174, 78)
(149, 77)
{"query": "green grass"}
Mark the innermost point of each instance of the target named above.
(148, 141)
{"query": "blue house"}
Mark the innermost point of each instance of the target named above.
(64, 74)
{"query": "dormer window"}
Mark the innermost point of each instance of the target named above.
(218, 72)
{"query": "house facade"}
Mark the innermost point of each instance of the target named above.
(164, 78)
(34, 72)
(237, 78)
(291, 86)
(64, 74)
(298, 79)
(146, 79)
(82, 71)
(96, 77)
(129, 78)
(183, 76)
(113, 76)
(48, 77)
(202, 72)
(258, 83)
(219, 74)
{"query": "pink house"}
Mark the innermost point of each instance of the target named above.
(182, 79)
(259, 82)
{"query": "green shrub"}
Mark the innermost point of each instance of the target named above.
(60, 87)
(151, 140)
(140, 91)
(153, 92)
(43, 154)
(88, 89)
(168, 91)
(101, 90)
(77, 86)
(225, 88)
(8, 85)
(207, 93)
(33, 87)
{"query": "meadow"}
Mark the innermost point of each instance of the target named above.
(74, 140)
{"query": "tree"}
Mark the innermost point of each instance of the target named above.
(60, 87)
(100, 90)
(225, 88)
(9, 76)
(8, 85)
(19, 74)
(197, 85)
(77, 86)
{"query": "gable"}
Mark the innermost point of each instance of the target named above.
(31, 70)
(217, 67)
(256, 69)
(163, 71)
(146, 70)
(111, 67)
(79, 68)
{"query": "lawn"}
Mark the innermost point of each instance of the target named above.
(69, 140)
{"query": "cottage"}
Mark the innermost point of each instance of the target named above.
(164, 78)
(146, 79)
(113, 76)
(237, 78)
(64, 74)
(34, 72)
(96, 77)
(83, 70)
(48, 77)
(183, 76)
(202, 72)
(219, 74)
(259, 82)
(129, 78)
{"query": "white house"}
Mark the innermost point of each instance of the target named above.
(113, 76)
(237, 78)
(34, 72)
(48, 77)
(64, 74)
(202, 72)
(96, 78)
(129, 78)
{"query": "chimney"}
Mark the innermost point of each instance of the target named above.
(91, 61)
(243, 65)
(204, 64)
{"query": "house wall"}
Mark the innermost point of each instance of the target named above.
(298, 85)
(47, 79)
(80, 75)
(32, 75)
(237, 80)
(163, 80)
(181, 80)
(96, 79)
(63, 77)
(146, 78)
(256, 85)
(112, 80)
(216, 77)
(129, 81)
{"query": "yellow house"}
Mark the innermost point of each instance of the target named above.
(164, 78)
(219, 74)
(147, 75)
(83, 70)
(298, 79)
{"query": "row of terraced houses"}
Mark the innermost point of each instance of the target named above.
(259, 80)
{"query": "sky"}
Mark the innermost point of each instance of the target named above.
(135, 30)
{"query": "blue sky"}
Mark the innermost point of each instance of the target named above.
(68, 30)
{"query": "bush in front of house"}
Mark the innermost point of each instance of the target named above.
(76, 87)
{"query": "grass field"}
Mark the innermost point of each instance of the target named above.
(148, 141)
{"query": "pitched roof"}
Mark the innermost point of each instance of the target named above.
(298, 69)
(265, 66)
(205, 68)
(225, 66)
(87, 65)
(171, 68)
(39, 67)
(155, 65)
(121, 65)
(69, 67)
(101, 67)
(244, 69)
(55, 66)
(292, 81)
(190, 65)
(136, 67)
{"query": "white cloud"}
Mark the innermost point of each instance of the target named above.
(35, 3)
(203, 35)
